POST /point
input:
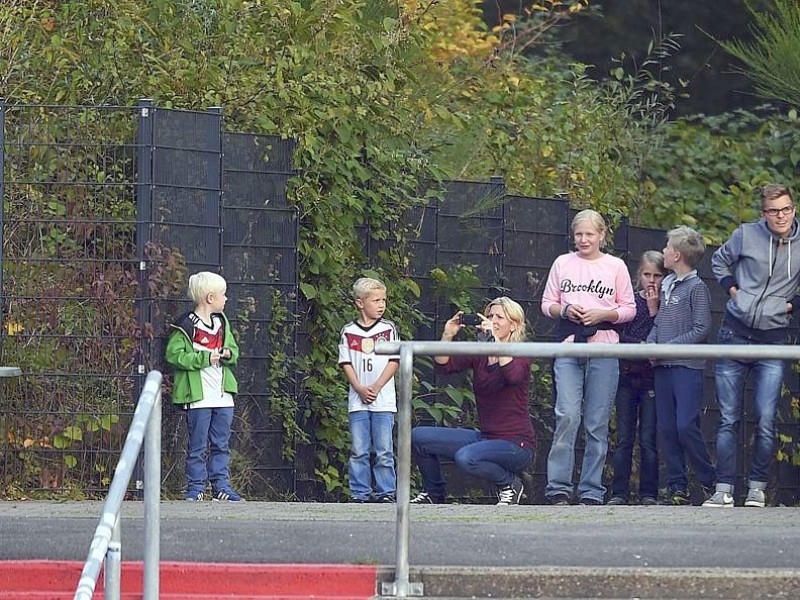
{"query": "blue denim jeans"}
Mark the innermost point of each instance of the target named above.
(679, 401)
(372, 431)
(730, 376)
(584, 388)
(208, 453)
(636, 409)
(497, 461)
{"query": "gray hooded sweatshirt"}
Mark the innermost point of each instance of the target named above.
(766, 270)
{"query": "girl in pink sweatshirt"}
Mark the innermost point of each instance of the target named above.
(589, 292)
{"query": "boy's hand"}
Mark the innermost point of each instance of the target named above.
(366, 394)
(215, 357)
(225, 353)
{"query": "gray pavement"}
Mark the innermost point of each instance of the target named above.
(453, 545)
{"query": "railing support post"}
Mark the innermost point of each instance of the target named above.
(401, 587)
(152, 503)
(113, 564)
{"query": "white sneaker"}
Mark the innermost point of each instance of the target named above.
(755, 498)
(719, 500)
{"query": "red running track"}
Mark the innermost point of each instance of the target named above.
(57, 580)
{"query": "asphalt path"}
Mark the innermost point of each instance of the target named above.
(444, 535)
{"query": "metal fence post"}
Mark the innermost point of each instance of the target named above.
(2, 210)
(215, 175)
(145, 157)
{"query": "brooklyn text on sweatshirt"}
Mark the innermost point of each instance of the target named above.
(593, 287)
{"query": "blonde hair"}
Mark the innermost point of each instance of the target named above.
(595, 218)
(364, 286)
(688, 242)
(649, 257)
(204, 283)
(514, 313)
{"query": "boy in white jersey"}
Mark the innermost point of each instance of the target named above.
(372, 397)
(201, 349)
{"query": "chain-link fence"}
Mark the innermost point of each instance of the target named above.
(106, 213)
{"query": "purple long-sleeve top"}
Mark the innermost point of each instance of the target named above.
(501, 395)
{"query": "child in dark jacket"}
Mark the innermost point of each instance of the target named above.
(635, 401)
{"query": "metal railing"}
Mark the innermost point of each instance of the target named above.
(401, 587)
(106, 546)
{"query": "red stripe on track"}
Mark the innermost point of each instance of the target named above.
(37, 580)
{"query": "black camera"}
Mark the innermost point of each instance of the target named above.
(468, 319)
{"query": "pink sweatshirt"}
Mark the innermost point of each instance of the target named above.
(600, 283)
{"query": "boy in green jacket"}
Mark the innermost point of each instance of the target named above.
(201, 349)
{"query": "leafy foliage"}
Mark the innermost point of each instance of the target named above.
(771, 59)
(709, 169)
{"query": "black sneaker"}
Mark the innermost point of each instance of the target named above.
(558, 500)
(591, 502)
(387, 499)
(617, 501)
(647, 501)
(426, 498)
(226, 495)
(511, 494)
(708, 492)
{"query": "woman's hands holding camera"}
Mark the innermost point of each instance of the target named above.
(460, 320)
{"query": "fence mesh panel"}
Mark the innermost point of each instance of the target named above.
(70, 293)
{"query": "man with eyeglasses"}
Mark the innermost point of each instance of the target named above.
(759, 268)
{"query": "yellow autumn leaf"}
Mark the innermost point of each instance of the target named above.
(28, 443)
(14, 328)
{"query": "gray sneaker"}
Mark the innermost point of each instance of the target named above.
(755, 498)
(719, 500)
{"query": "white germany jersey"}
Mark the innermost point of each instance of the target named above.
(357, 348)
(208, 339)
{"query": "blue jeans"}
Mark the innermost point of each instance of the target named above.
(730, 376)
(497, 461)
(584, 388)
(372, 431)
(635, 406)
(208, 453)
(679, 401)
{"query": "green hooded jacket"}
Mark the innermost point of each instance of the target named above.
(186, 362)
